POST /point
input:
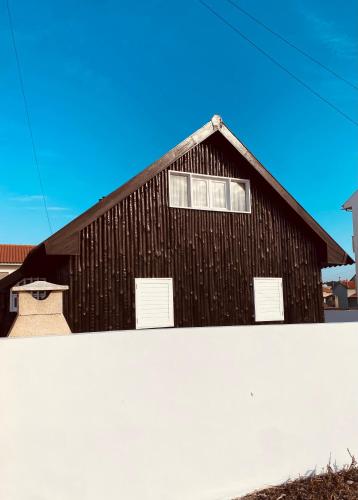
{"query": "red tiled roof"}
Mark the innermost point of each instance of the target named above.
(14, 254)
(349, 284)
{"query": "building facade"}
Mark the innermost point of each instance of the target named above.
(352, 205)
(11, 257)
(204, 236)
(346, 293)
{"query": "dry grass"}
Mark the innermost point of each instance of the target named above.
(331, 485)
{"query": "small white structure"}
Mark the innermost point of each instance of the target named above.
(40, 310)
(268, 299)
(352, 205)
(154, 303)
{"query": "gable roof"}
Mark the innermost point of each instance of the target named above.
(66, 240)
(14, 254)
(348, 284)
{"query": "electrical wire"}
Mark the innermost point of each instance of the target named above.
(277, 63)
(290, 44)
(27, 113)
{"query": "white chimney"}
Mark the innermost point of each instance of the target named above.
(40, 310)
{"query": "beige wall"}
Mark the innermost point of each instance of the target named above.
(39, 317)
(6, 269)
(176, 414)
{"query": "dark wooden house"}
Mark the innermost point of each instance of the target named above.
(203, 236)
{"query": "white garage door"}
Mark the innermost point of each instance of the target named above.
(268, 299)
(154, 302)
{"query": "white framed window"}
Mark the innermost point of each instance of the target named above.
(179, 190)
(238, 196)
(207, 192)
(200, 192)
(268, 296)
(154, 302)
(13, 306)
(219, 191)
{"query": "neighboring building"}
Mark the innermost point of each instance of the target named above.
(352, 206)
(203, 236)
(11, 257)
(353, 301)
(329, 299)
(346, 292)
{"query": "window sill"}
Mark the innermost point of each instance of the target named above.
(222, 210)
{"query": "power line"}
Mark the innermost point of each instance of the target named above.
(27, 113)
(277, 63)
(292, 45)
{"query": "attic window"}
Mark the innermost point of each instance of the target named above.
(179, 190)
(206, 192)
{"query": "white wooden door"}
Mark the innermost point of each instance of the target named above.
(268, 299)
(154, 302)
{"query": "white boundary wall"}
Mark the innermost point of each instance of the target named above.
(202, 414)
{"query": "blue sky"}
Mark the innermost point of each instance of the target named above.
(113, 85)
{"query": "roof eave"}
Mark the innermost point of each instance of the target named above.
(341, 259)
(63, 242)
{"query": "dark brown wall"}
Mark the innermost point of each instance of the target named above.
(211, 256)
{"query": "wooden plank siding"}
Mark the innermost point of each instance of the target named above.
(211, 256)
